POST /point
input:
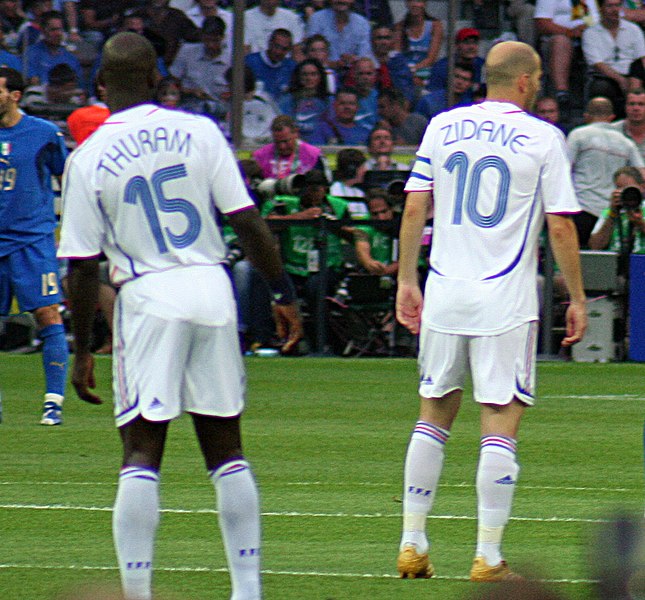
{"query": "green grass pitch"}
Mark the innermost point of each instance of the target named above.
(326, 438)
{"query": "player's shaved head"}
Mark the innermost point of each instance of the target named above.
(507, 61)
(128, 64)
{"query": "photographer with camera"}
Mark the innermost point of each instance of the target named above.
(621, 227)
(302, 243)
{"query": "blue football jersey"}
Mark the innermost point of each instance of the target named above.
(30, 153)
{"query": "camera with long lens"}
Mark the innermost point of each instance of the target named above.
(631, 198)
(287, 186)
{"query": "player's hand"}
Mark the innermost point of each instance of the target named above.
(576, 322)
(288, 325)
(409, 304)
(83, 378)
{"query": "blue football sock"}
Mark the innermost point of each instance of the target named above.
(55, 357)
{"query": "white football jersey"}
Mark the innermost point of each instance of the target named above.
(144, 189)
(494, 171)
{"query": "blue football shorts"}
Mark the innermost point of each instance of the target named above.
(31, 275)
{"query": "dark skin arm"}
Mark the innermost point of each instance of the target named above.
(83, 282)
(259, 245)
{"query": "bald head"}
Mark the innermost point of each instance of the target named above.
(599, 109)
(128, 62)
(507, 61)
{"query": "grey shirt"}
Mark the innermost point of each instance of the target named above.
(597, 151)
(198, 71)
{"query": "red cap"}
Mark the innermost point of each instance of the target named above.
(467, 32)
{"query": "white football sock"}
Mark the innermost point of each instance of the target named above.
(423, 464)
(496, 478)
(238, 505)
(134, 525)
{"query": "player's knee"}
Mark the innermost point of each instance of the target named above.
(47, 315)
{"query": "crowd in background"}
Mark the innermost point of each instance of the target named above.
(366, 74)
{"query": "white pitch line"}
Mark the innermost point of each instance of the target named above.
(266, 572)
(338, 515)
(633, 397)
(463, 485)
(327, 484)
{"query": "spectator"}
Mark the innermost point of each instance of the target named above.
(380, 146)
(375, 11)
(30, 31)
(634, 11)
(633, 125)
(273, 67)
(597, 151)
(560, 24)
(134, 22)
(407, 128)
(419, 37)
(392, 70)
(61, 89)
(317, 47)
(287, 154)
(365, 86)
(610, 47)
(439, 100)
(340, 126)
(69, 8)
(348, 33)
(49, 51)
(350, 172)
(521, 13)
(374, 246)
(300, 243)
(11, 19)
(203, 9)
(169, 93)
(621, 227)
(546, 107)
(201, 67)
(84, 121)
(56, 99)
(258, 109)
(8, 59)
(100, 18)
(172, 25)
(262, 20)
(307, 99)
(466, 53)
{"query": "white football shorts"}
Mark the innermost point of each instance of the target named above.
(502, 366)
(164, 366)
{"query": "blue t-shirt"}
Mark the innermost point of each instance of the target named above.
(308, 112)
(30, 153)
(9, 60)
(333, 132)
(367, 114)
(40, 61)
(436, 101)
(439, 74)
(275, 77)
